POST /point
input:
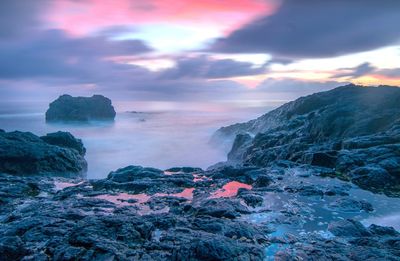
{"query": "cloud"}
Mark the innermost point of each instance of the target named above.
(81, 17)
(356, 72)
(53, 54)
(19, 18)
(206, 67)
(392, 73)
(367, 69)
(313, 28)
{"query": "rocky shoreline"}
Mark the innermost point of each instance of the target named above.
(279, 196)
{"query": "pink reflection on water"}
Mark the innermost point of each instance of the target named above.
(121, 199)
(62, 185)
(230, 189)
(186, 193)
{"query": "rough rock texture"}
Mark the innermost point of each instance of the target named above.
(66, 140)
(85, 221)
(353, 130)
(68, 108)
(57, 154)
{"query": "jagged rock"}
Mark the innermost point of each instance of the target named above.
(23, 153)
(68, 108)
(348, 129)
(66, 140)
(348, 228)
(351, 205)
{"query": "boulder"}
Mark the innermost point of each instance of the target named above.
(348, 228)
(66, 140)
(23, 153)
(68, 108)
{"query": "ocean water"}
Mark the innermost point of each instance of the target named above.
(160, 139)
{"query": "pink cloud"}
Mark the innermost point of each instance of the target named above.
(81, 17)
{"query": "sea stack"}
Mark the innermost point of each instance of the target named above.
(82, 109)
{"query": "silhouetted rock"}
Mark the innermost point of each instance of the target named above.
(68, 108)
(23, 153)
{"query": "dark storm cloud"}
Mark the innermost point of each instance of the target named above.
(315, 28)
(19, 18)
(367, 69)
(53, 54)
(358, 71)
(206, 67)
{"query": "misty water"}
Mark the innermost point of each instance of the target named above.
(160, 139)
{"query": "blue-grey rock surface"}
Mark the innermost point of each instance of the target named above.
(353, 130)
(284, 194)
(67, 108)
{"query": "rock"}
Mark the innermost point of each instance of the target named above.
(351, 205)
(251, 200)
(134, 173)
(66, 140)
(23, 153)
(68, 108)
(322, 159)
(371, 177)
(221, 207)
(11, 248)
(184, 170)
(305, 190)
(348, 228)
(242, 141)
(338, 129)
(263, 181)
(383, 231)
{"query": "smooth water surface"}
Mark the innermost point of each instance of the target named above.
(157, 139)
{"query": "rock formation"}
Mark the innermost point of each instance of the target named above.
(353, 130)
(276, 198)
(56, 154)
(67, 108)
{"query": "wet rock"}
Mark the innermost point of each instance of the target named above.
(242, 141)
(68, 108)
(134, 173)
(263, 181)
(305, 190)
(11, 248)
(348, 228)
(66, 140)
(137, 179)
(251, 200)
(184, 170)
(322, 159)
(23, 153)
(351, 205)
(371, 177)
(383, 231)
(221, 207)
(337, 129)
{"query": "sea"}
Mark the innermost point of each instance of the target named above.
(154, 138)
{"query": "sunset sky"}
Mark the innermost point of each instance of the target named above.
(243, 52)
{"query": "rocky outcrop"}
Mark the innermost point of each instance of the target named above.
(352, 130)
(66, 140)
(67, 108)
(56, 154)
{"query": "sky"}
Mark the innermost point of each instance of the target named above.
(179, 53)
